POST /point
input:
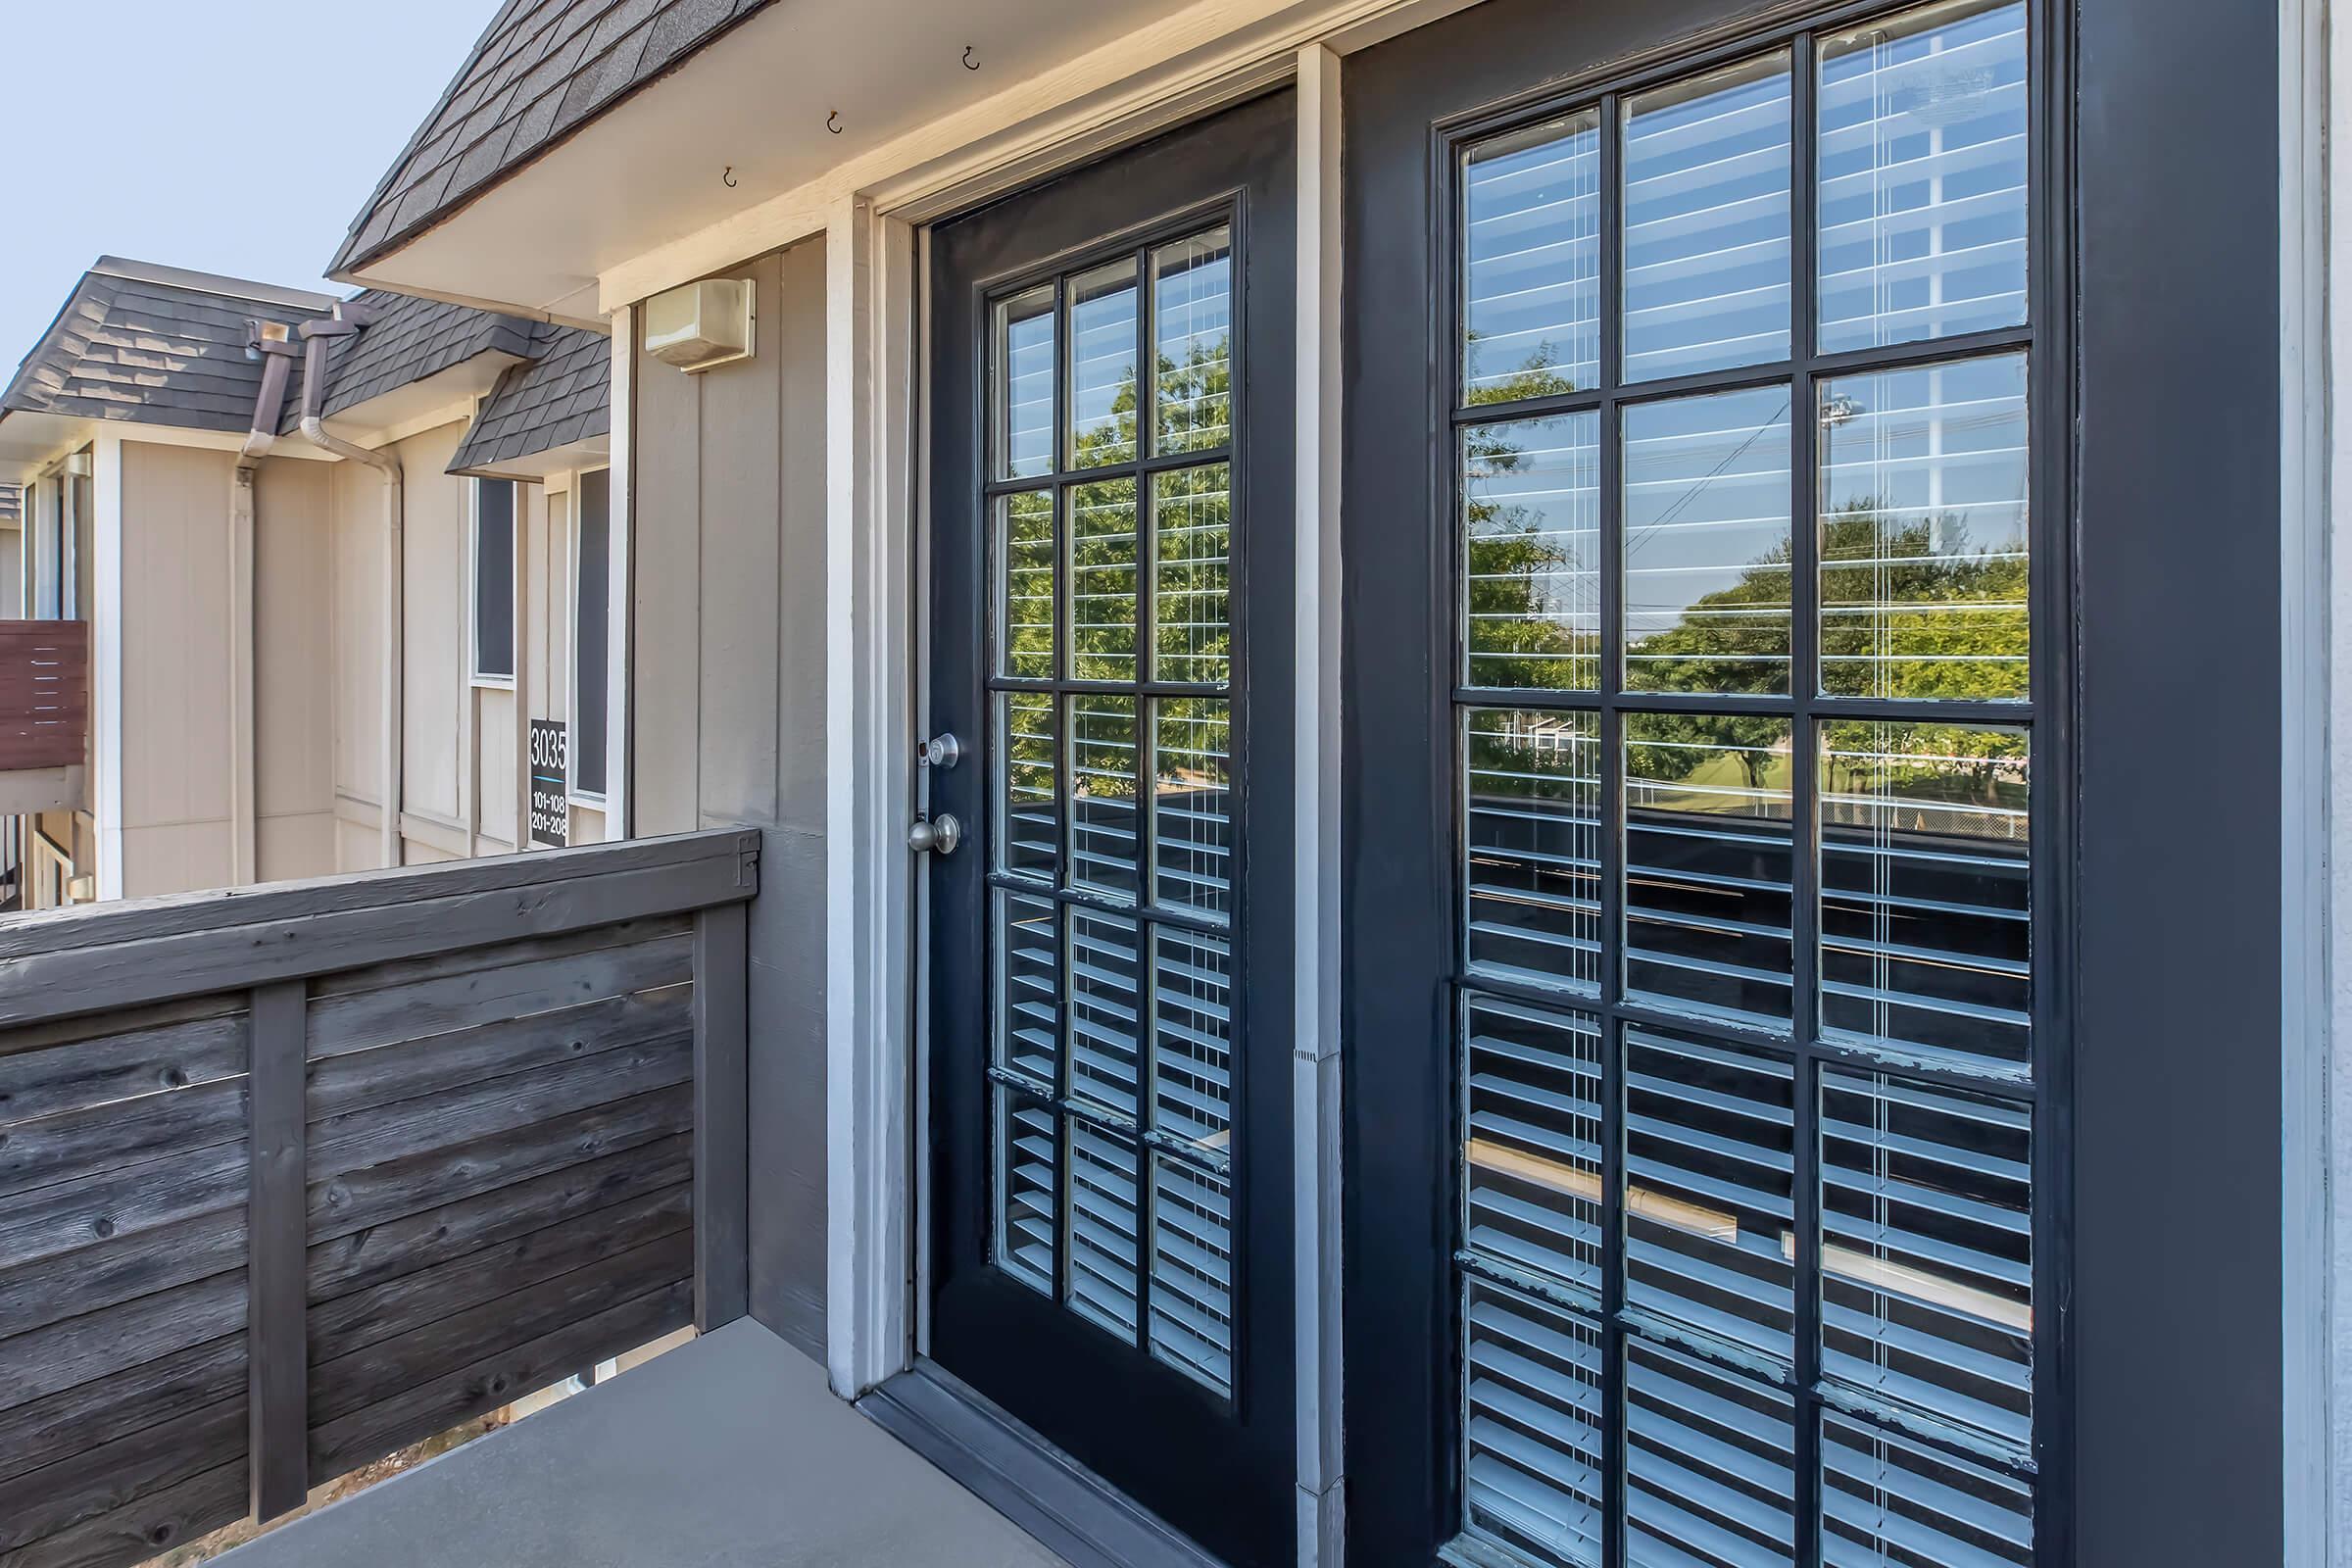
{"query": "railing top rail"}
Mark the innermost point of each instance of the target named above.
(97, 956)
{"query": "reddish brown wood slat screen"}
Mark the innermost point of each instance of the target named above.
(44, 693)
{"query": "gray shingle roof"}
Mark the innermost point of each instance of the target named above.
(154, 347)
(565, 394)
(406, 340)
(541, 71)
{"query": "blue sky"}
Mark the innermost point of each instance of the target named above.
(179, 131)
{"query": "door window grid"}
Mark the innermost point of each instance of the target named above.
(1112, 658)
(1798, 1326)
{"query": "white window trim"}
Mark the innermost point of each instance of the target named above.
(474, 674)
(593, 799)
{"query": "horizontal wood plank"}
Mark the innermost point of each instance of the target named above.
(416, 1413)
(155, 1524)
(104, 1410)
(110, 1476)
(353, 1201)
(469, 960)
(104, 1274)
(218, 912)
(83, 1348)
(380, 1252)
(118, 1066)
(156, 1195)
(359, 1139)
(509, 1270)
(411, 1069)
(77, 1144)
(379, 1371)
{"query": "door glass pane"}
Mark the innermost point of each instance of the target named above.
(1022, 393)
(1191, 1273)
(1025, 574)
(1926, 1266)
(1103, 385)
(1533, 1398)
(1922, 175)
(1192, 805)
(1191, 1040)
(1924, 571)
(1531, 845)
(1706, 221)
(1531, 262)
(1893, 1501)
(1707, 1478)
(1926, 928)
(1191, 336)
(1104, 810)
(1028, 794)
(1531, 553)
(1028, 1147)
(1707, 864)
(1105, 967)
(1028, 965)
(1532, 1150)
(1707, 559)
(1103, 1227)
(1192, 625)
(1103, 569)
(1710, 1222)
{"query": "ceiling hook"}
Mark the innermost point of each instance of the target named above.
(833, 121)
(969, 63)
(728, 178)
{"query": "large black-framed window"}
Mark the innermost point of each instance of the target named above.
(1748, 745)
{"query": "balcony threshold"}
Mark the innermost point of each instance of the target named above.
(729, 1451)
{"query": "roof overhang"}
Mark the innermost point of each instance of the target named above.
(31, 443)
(745, 122)
(447, 393)
(540, 466)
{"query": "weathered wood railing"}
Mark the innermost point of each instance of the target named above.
(44, 693)
(295, 1177)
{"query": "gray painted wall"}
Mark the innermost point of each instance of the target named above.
(728, 707)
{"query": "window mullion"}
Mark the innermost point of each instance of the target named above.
(1611, 858)
(1805, 599)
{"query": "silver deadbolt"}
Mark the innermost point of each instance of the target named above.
(940, 750)
(935, 835)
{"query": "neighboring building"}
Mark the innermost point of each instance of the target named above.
(233, 573)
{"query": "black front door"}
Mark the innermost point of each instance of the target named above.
(1109, 945)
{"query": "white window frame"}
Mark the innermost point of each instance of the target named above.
(594, 800)
(475, 677)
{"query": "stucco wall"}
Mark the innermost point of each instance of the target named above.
(728, 665)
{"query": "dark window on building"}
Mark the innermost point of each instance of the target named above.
(494, 579)
(591, 610)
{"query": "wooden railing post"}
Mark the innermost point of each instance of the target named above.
(722, 1219)
(276, 1337)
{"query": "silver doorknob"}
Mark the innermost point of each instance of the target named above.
(940, 750)
(935, 835)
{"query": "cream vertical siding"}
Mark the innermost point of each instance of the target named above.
(294, 689)
(356, 563)
(175, 668)
(433, 677)
(12, 574)
(729, 698)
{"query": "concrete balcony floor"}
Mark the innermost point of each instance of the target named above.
(726, 1452)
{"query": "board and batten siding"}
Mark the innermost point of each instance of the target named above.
(461, 743)
(180, 742)
(727, 703)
